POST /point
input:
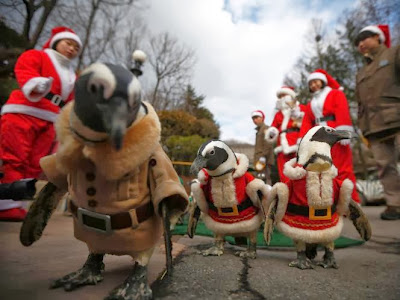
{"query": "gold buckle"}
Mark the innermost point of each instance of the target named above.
(312, 216)
(234, 212)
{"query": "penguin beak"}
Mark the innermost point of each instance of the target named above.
(115, 115)
(199, 163)
(342, 135)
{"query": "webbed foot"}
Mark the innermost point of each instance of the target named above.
(302, 262)
(135, 287)
(329, 261)
(89, 274)
(213, 251)
(249, 253)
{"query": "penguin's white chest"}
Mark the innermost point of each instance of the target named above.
(319, 189)
(223, 191)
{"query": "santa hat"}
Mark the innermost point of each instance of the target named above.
(325, 77)
(381, 30)
(258, 113)
(286, 90)
(60, 33)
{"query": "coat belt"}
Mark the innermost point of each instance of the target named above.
(323, 119)
(117, 221)
(55, 99)
(310, 212)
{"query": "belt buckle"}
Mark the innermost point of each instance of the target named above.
(312, 216)
(94, 221)
(234, 212)
(56, 100)
(317, 121)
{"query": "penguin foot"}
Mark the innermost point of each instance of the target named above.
(248, 253)
(302, 262)
(213, 251)
(135, 287)
(89, 274)
(329, 261)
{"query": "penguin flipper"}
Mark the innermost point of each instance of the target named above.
(270, 221)
(360, 220)
(194, 216)
(39, 213)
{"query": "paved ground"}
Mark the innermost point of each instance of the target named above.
(370, 271)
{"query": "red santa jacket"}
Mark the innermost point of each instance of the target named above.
(288, 128)
(329, 108)
(299, 214)
(30, 67)
(244, 210)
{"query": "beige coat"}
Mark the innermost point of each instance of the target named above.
(378, 94)
(262, 147)
(118, 181)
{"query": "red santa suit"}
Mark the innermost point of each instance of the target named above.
(230, 203)
(329, 107)
(27, 131)
(315, 203)
(287, 127)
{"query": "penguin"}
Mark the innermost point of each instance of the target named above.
(122, 186)
(309, 208)
(227, 196)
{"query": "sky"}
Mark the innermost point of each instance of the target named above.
(244, 48)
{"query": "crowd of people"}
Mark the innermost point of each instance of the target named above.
(46, 80)
(378, 98)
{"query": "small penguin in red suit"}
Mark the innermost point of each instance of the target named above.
(309, 208)
(228, 197)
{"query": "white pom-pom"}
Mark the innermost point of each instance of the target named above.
(139, 56)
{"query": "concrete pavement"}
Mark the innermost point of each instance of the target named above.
(365, 272)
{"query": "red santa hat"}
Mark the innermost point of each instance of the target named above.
(325, 77)
(286, 90)
(258, 113)
(60, 33)
(382, 30)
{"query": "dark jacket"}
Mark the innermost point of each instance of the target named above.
(262, 148)
(378, 93)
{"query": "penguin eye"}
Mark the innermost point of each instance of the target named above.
(212, 152)
(329, 130)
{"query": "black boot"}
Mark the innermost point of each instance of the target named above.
(391, 213)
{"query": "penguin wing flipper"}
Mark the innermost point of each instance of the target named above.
(39, 213)
(360, 220)
(270, 221)
(194, 215)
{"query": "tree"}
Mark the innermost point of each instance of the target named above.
(171, 63)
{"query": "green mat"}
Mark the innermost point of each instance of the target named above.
(278, 239)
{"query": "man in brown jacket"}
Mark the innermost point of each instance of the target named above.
(263, 152)
(378, 96)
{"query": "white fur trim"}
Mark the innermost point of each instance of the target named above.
(223, 191)
(238, 227)
(317, 103)
(273, 130)
(257, 185)
(29, 110)
(31, 84)
(65, 35)
(344, 197)
(292, 172)
(203, 176)
(312, 236)
(278, 149)
(345, 127)
(290, 149)
(319, 189)
(317, 75)
(9, 204)
(243, 165)
(199, 196)
(257, 114)
(286, 91)
(375, 29)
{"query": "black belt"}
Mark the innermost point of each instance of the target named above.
(323, 119)
(104, 223)
(305, 210)
(55, 99)
(293, 129)
(240, 207)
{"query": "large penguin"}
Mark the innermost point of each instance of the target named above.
(121, 184)
(309, 208)
(227, 195)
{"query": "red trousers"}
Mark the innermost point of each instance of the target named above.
(24, 141)
(342, 159)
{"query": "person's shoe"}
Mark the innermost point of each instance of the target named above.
(13, 215)
(391, 213)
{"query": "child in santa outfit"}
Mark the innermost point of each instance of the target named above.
(46, 79)
(329, 106)
(285, 127)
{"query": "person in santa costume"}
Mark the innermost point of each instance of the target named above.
(285, 127)
(46, 79)
(329, 107)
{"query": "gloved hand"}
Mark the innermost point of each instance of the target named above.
(345, 142)
(296, 113)
(262, 160)
(44, 85)
(272, 134)
(260, 165)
